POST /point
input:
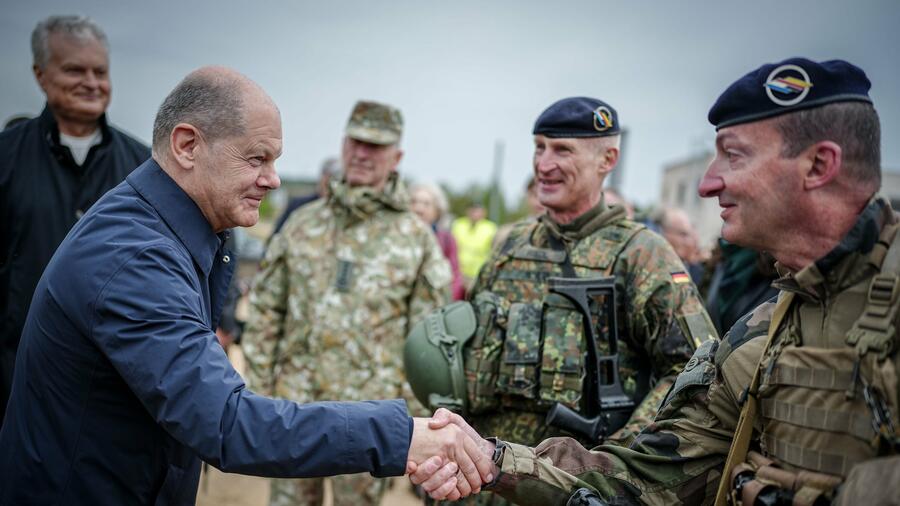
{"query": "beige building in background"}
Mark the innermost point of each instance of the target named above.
(679, 189)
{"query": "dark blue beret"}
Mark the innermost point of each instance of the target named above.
(578, 117)
(787, 86)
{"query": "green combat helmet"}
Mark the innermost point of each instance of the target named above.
(433, 356)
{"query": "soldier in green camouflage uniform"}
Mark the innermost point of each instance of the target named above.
(795, 173)
(528, 352)
(339, 287)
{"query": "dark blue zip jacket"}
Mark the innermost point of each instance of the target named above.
(120, 384)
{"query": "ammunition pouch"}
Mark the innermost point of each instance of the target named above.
(562, 361)
(525, 352)
(518, 375)
(482, 355)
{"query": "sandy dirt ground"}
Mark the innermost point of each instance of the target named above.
(220, 489)
(400, 494)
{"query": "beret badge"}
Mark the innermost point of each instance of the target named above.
(788, 85)
(602, 119)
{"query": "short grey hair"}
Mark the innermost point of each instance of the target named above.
(852, 125)
(440, 198)
(608, 141)
(79, 27)
(214, 104)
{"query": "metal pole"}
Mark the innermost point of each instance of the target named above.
(494, 195)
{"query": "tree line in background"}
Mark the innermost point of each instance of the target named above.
(488, 195)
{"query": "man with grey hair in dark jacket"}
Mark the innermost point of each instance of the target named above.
(55, 166)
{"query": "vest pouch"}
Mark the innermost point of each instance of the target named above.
(834, 432)
(521, 352)
(482, 353)
(562, 357)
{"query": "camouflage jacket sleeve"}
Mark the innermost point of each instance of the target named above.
(432, 286)
(661, 314)
(431, 290)
(675, 460)
(265, 322)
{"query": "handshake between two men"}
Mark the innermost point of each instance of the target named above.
(448, 458)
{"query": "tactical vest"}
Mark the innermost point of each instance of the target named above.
(528, 351)
(828, 391)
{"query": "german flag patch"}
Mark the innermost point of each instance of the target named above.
(680, 277)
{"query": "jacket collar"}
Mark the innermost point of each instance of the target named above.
(51, 128)
(847, 262)
(592, 220)
(178, 210)
(50, 133)
(361, 202)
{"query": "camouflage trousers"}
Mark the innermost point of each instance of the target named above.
(349, 490)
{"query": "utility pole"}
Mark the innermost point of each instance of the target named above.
(494, 199)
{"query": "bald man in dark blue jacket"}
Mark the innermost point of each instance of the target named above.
(120, 385)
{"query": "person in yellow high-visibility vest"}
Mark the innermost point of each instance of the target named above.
(474, 234)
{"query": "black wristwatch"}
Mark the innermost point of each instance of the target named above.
(499, 446)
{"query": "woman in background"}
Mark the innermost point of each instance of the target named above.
(430, 204)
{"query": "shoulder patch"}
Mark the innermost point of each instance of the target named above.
(751, 325)
(697, 328)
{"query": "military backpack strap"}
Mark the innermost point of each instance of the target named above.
(740, 445)
(874, 331)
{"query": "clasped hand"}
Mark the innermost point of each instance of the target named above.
(448, 458)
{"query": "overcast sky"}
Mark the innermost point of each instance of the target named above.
(469, 73)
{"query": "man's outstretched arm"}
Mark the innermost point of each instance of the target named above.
(677, 459)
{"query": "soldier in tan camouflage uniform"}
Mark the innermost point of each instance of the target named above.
(802, 394)
(339, 287)
(529, 352)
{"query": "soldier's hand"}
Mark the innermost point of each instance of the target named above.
(455, 446)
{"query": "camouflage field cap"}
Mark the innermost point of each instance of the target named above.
(375, 123)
